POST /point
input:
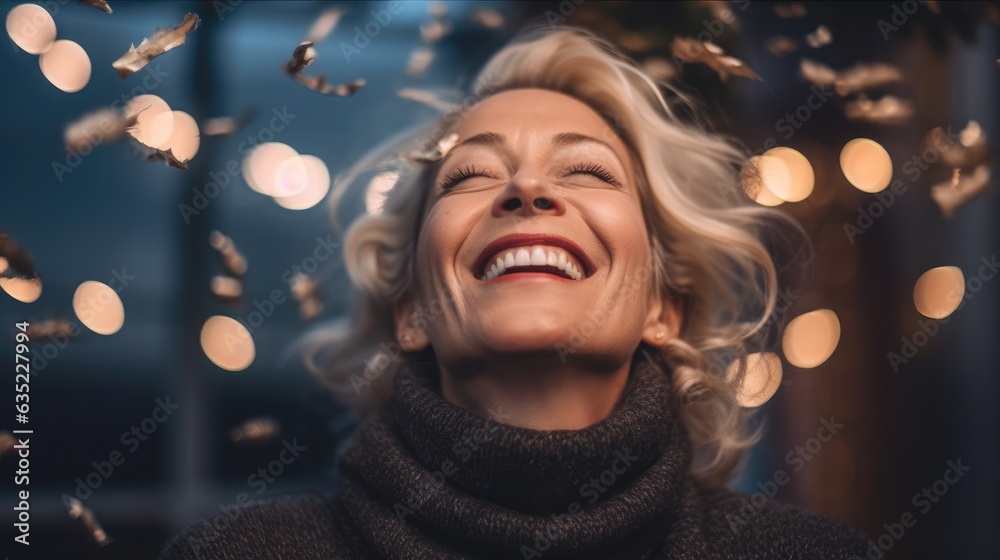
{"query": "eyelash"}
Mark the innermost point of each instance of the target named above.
(595, 170)
(463, 173)
(469, 171)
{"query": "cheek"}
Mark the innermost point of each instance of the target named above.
(621, 227)
(446, 227)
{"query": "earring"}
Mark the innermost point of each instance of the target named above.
(659, 335)
(406, 339)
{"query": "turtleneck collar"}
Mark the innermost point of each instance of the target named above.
(425, 478)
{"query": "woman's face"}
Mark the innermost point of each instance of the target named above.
(534, 244)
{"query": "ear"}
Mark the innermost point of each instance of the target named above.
(663, 322)
(410, 325)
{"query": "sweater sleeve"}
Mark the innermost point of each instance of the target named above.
(297, 526)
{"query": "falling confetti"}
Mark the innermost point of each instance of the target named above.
(437, 153)
(227, 289)
(429, 98)
(819, 38)
(85, 517)
(660, 69)
(160, 42)
(420, 60)
(99, 4)
(971, 149)
(789, 11)
(859, 78)
(888, 110)
(7, 442)
(950, 196)
(50, 328)
(101, 126)
(307, 292)
(255, 431)
(434, 31)
(323, 26)
(222, 126)
(692, 50)
(166, 156)
(305, 54)
(781, 45)
(234, 263)
(485, 17)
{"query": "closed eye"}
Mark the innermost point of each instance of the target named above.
(595, 170)
(462, 173)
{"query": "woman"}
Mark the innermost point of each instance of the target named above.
(559, 279)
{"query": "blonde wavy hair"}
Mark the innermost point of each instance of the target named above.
(708, 238)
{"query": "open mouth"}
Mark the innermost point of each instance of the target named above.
(548, 259)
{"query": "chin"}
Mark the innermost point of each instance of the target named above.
(539, 333)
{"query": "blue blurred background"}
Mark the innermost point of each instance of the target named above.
(116, 216)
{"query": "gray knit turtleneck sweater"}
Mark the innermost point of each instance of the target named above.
(425, 479)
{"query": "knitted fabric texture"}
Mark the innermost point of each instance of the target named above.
(423, 478)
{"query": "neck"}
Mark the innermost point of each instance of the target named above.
(536, 396)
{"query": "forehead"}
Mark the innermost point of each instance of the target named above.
(523, 113)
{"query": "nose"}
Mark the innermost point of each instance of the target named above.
(526, 194)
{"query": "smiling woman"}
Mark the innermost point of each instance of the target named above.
(538, 312)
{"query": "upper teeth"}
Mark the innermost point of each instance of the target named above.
(532, 256)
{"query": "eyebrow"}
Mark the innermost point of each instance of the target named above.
(561, 140)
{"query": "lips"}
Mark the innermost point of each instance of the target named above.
(549, 253)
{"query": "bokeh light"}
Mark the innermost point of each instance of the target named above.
(66, 65)
(787, 174)
(25, 290)
(263, 172)
(811, 338)
(939, 291)
(184, 138)
(98, 307)
(227, 343)
(763, 376)
(31, 27)
(866, 165)
(154, 125)
(316, 188)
